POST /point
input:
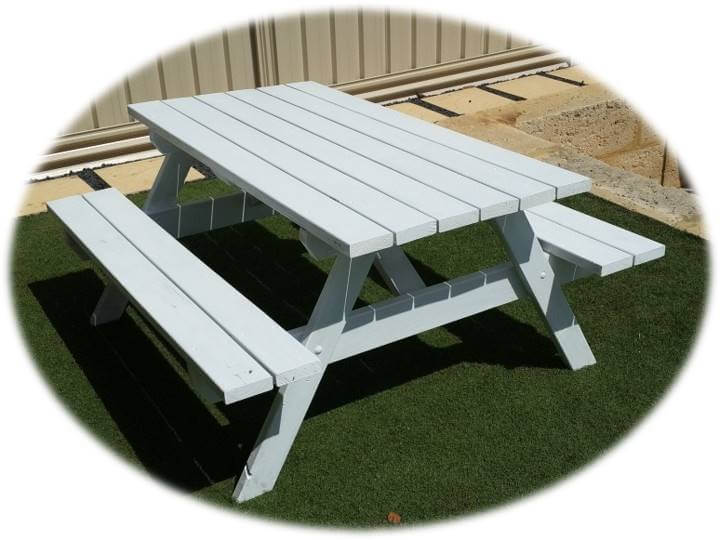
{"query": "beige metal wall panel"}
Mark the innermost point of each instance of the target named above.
(374, 52)
(401, 41)
(518, 41)
(450, 40)
(266, 58)
(178, 73)
(347, 45)
(474, 40)
(496, 41)
(240, 59)
(82, 122)
(319, 47)
(289, 49)
(111, 107)
(426, 40)
(212, 67)
(325, 46)
(144, 84)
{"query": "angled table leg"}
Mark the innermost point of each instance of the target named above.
(163, 195)
(397, 270)
(292, 401)
(539, 278)
(169, 181)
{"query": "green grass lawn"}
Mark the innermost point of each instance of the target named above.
(456, 420)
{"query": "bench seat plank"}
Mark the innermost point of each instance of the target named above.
(202, 341)
(267, 342)
(578, 248)
(490, 202)
(406, 223)
(342, 228)
(448, 212)
(529, 192)
(642, 249)
(565, 182)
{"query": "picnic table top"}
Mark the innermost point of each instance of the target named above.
(359, 176)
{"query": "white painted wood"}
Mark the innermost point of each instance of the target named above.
(195, 218)
(233, 372)
(392, 264)
(539, 278)
(406, 223)
(397, 270)
(578, 248)
(168, 182)
(334, 304)
(343, 229)
(565, 182)
(225, 210)
(528, 191)
(490, 202)
(202, 385)
(163, 196)
(370, 327)
(250, 327)
(642, 249)
(292, 401)
(414, 312)
(110, 307)
(358, 179)
(250, 108)
(317, 249)
(210, 214)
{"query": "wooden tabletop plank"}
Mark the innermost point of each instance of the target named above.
(280, 354)
(246, 106)
(332, 222)
(565, 182)
(232, 370)
(406, 223)
(490, 202)
(528, 191)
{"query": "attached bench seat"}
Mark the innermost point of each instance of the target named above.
(238, 349)
(590, 243)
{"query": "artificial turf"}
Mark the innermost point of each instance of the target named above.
(456, 420)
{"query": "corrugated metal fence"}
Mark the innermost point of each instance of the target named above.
(325, 46)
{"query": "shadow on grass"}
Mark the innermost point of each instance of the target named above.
(173, 434)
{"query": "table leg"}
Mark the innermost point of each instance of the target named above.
(168, 182)
(292, 401)
(544, 288)
(163, 196)
(397, 270)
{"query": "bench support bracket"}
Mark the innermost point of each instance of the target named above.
(397, 271)
(543, 287)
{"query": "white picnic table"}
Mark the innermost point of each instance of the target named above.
(360, 181)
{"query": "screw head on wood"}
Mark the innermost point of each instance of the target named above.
(318, 349)
(542, 275)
